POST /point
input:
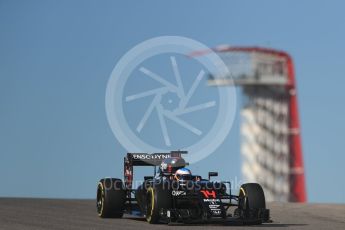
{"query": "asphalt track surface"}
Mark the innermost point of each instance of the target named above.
(81, 214)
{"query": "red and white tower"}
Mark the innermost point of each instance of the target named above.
(271, 141)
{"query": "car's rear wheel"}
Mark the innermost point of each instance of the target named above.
(158, 199)
(111, 198)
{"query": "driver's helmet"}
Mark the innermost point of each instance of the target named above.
(170, 165)
(183, 175)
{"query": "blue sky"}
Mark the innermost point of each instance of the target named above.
(56, 58)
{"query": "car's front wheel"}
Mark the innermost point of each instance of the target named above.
(158, 198)
(251, 201)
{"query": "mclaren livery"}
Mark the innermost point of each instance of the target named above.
(174, 195)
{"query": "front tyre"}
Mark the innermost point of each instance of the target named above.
(252, 203)
(158, 198)
(111, 198)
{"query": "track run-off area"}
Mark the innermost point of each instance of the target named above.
(36, 214)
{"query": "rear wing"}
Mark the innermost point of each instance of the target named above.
(154, 159)
(144, 159)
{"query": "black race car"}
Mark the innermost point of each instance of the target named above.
(164, 198)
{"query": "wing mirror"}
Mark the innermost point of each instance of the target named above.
(212, 174)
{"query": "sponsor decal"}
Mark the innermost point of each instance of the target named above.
(211, 200)
(213, 206)
(151, 156)
(178, 193)
(208, 194)
(216, 212)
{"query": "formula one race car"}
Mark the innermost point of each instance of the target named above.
(174, 195)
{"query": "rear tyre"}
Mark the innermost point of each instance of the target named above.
(158, 199)
(251, 202)
(111, 198)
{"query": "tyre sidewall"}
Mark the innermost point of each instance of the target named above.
(113, 198)
(160, 199)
